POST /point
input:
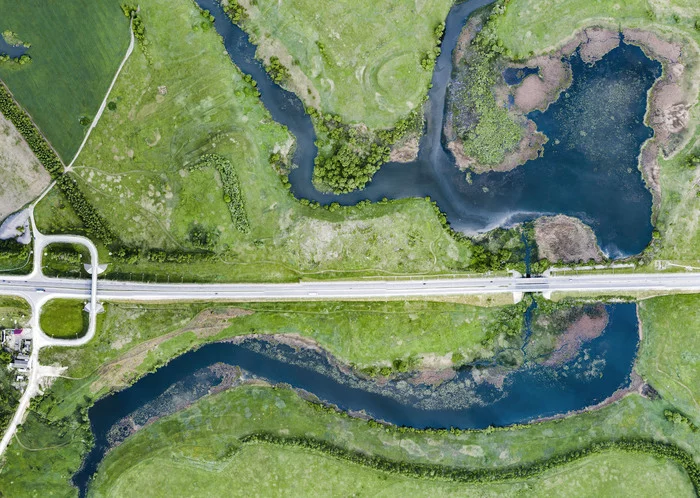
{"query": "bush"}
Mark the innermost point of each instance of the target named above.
(235, 12)
(112, 106)
(232, 189)
(277, 71)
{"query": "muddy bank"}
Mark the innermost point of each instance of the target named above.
(566, 239)
(585, 328)
(669, 102)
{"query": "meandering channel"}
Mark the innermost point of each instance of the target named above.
(466, 401)
(603, 189)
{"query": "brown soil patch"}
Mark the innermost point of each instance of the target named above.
(537, 91)
(584, 329)
(405, 152)
(567, 239)
(207, 323)
(23, 176)
(598, 42)
(670, 101)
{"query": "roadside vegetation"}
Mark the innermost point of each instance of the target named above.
(65, 260)
(71, 66)
(64, 318)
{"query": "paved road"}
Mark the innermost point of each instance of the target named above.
(120, 291)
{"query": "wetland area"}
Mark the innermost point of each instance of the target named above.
(588, 170)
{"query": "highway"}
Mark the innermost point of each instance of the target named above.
(370, 289)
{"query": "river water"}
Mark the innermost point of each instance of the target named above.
(600, 367)
(589, 169)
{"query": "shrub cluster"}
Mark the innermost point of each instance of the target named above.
(349, 157)
(678, 418)
(428, 60)
(235, 11)
(482, 475)
(232, 189)
(94, 223)
(277, 71)
(20, 61)
(132, 12)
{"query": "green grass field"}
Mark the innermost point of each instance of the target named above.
(362, 58)
(63, 318)
(76, 47)
(670, 355)
(264, 470)
(132, 339)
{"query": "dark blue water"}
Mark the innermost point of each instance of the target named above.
(605, 191)
(12, 50)
(602, 366)
(515, 75)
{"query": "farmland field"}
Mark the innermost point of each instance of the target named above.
(75, 50)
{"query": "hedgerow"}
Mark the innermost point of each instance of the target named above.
(232, 189)
(483, 475)
(94, 223)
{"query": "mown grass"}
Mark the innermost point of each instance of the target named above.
(670, 355)
(189, 101)
(64, 318)
(535, 26)
(269, 470)
(76, 48)
(363, 58)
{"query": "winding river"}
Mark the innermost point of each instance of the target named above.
(589, 168)
(469, 400)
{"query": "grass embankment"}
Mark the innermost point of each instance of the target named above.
(190, 101)
(360, 60)
(527, 27)
(71, 66)
(14, 312)
(64, 318)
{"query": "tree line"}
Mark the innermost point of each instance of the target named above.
(94, 223)
(483, 475)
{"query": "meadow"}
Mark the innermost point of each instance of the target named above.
(64, 318)
(360, 60)
(72, 65)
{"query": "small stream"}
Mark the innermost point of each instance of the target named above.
(589, 168)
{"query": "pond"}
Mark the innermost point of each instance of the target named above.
(13, 51)
(593, 177)
(536, 389)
